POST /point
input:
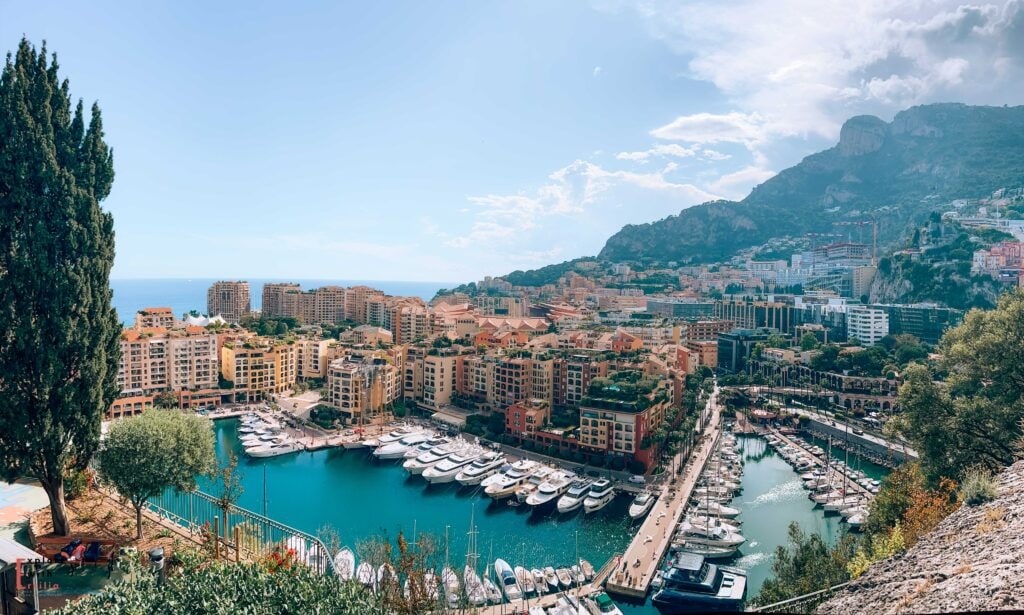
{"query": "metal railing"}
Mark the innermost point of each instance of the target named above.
(800, 604)
(243, 531)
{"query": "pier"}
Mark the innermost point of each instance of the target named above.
(653, 538)
(818, 462)
(549, 600)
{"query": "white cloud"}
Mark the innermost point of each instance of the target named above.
(667, 149)
(737, 184)
(744, 128)
(597, 71)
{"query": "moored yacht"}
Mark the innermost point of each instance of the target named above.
(550, 490)
(480, 469)
(446, 470)
(641, 504)
(692, 584)
(505, 485)
(434, 456)
(713, 536)
(574, 497)
(397, 449)
(275, 449)
(601, 493)
(507, 580)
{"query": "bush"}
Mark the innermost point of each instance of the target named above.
(636, 467)
(977, 487)
(618, 464)
(76, 483)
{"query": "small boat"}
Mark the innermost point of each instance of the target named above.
(539, 582)
(364, 574)
(493, 593)
(576, 573)
(386, 578)
(452, 587)
(564, 577)
(641, 505)
(551, 578)
(588, 569)
(601, 493)
(605, 606)
(525, 580)
(475, 592)
(345, 564)
(507, 579)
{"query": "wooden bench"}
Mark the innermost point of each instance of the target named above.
(50, 546)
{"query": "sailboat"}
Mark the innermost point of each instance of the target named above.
(450, 580)
(475, 592)
(493, 593)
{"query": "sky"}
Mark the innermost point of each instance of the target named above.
(445, 141)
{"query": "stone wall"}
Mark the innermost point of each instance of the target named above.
(973, 561)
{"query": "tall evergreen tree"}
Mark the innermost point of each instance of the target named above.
(59, 335)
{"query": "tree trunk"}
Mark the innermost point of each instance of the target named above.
(138, 522)
(58, 510)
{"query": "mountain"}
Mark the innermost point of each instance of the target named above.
(894, 173)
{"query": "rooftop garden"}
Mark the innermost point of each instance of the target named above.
(624, 390)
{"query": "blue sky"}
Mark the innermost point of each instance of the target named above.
(450, 140)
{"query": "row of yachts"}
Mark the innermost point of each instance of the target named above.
(263, 437)
(497, 584)
(441, 459)
(834, 486)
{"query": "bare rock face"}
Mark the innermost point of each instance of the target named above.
(973, 561)
(861, 135)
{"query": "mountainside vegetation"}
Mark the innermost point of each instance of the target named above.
(895, 173)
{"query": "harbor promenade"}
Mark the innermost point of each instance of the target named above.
(633, 575)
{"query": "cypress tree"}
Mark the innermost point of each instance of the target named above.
(59, 335)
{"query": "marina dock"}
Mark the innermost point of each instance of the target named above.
(549, 600)
(818, 462)
(653, 538)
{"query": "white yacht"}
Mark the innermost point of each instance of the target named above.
(523, 465)
(712, 536)
(416, 451)
(533, 482)
(508, 483)
(275, 449)
(397, 449)
(345, 564)
(550, 490)
(388, 438)
(480, 469)
(434, 456)
(601, 494)
(507, 580)
(446, 470)
(574, 497)
(641, 505)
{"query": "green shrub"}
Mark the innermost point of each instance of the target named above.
(977, 487)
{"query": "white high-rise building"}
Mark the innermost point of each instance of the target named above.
(866, 324)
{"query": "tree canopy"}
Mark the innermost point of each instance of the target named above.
(59, 335)
(974, 418)
(159, 449)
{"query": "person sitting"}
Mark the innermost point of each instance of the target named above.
(76, 555)
(67, 551)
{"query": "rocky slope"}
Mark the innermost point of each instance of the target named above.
(973, 561)
(895, 173)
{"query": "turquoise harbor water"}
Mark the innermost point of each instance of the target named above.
(361, 497)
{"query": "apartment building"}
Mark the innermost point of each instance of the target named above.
(868, 325)
(706, 352)
(475, 381)
(311, 358)
(156, 360)
(410, 321)
(258, 367)
(523, 420)
(439, 377)
(363, 387)
(229, 299)
(619, 428)
(707, 330)
(281, 300)
(573, 376)
(154, 318)
(356, 300)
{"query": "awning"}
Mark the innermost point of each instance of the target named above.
(12, 552)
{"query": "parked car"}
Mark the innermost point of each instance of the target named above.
(637, 479)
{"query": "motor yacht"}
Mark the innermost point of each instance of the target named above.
(692, 584)
(564, 578)
(588, 570)
(446, 470)
(551, 578)
(397, 449)
(713, 536)
(505, 485)
(274, 450)
(523, 465)
(576, 574)
(710, 552)
(550, 490)
(712, 522)
(605, 606)
(539, 581)
(480, 469)
(641, 505)
(574, 497)
(388, 438)
(601, 494)
(434, 456)
(533, 482)
(507, 580)
(423, 447)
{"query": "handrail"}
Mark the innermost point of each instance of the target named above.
(783, 606)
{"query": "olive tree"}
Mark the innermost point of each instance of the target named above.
(159, 449)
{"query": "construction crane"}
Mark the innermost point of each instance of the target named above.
(874, 235)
